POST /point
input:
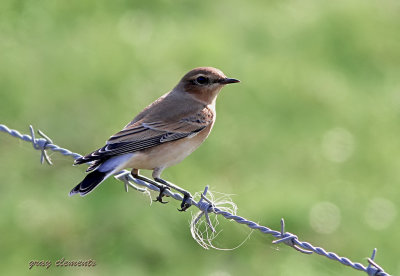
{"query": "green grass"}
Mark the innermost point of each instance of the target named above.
(315, 119)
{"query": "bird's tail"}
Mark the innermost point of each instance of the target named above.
(91, 181)
(100, 172)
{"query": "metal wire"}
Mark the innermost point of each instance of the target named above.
(205, 206)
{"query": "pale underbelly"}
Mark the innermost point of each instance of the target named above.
(164, 156)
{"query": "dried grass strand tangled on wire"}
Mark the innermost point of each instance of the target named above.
(223, 207)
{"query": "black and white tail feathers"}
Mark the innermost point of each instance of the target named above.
(99, 170)
(91, 181)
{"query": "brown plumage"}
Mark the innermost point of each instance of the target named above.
(163, 134)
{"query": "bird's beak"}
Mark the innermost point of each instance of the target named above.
(228, 81)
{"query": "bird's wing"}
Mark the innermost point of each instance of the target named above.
(142, 135)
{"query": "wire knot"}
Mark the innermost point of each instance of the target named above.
(206, 207)
(41, 144)
(205, 204)
(287, 238)
(290, 239)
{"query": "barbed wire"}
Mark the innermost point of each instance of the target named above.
(206, 206)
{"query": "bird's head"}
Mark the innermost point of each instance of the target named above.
(204, 83)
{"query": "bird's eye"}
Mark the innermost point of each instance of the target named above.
(201, 80)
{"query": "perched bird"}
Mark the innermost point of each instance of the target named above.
(162, 135)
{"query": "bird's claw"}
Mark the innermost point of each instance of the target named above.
(161, 194)
(185, 205)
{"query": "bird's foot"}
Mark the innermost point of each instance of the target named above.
(185, 202)
(161, 186)
(186, 195)
(161, 194)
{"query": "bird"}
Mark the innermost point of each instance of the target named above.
(160, 136)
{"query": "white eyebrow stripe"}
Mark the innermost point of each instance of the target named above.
(199, 75)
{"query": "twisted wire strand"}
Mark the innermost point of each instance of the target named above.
(205, 206)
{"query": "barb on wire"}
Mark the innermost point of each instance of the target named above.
(206, 207)
(289, 239)
(373, 268)
(40, 144)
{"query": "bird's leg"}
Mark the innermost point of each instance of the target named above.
(162, 187)
(186, 195)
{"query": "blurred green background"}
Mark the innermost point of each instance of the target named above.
(311, 134)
